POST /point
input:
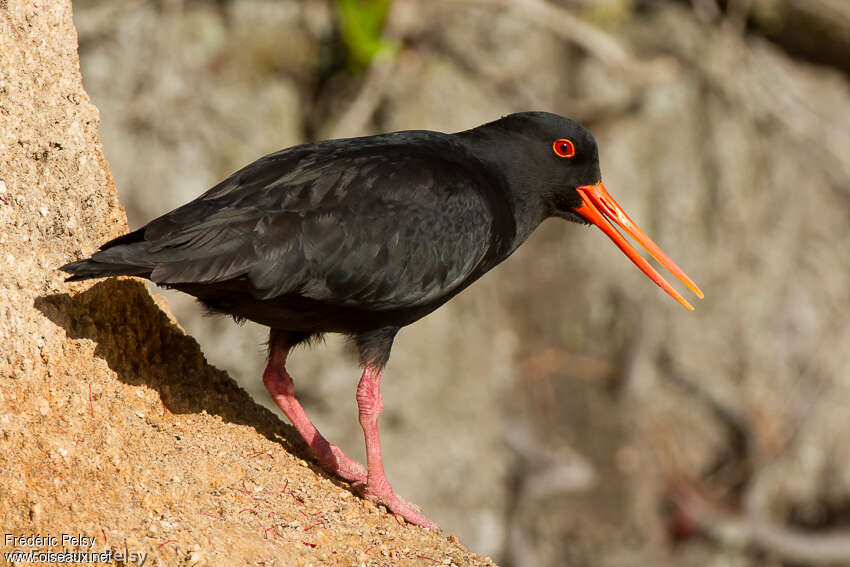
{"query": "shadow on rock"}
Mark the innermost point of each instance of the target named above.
(144, 347)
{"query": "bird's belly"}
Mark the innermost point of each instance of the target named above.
(294, 312)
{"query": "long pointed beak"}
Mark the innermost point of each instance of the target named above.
(599, 208)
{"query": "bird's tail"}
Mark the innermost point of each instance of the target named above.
(104, 265)
(89, 269)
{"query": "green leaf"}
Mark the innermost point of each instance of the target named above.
(361, 24)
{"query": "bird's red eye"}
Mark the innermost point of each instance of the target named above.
(564, 148)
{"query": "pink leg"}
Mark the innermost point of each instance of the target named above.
(330, 457)
(377, 487)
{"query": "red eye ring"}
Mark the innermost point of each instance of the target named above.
(563, 148)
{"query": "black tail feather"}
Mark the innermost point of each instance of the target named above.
(89, 269)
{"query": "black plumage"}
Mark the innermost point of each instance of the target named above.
(365, 235)
(342, 235)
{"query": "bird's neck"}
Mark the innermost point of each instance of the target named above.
(512, 185)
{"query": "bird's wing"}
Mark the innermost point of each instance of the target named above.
(375, 226)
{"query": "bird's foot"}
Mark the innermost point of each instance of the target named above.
(335, 462)
(382, 493)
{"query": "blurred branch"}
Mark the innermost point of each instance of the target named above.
(707, 11)
(358, 114)
(738, 430)
(750, 75)
(737, 13)
(566, 26)
(816, 29)
(792, 545)
(554, 474)
(590, 38)
(539, 476)
(755, 527)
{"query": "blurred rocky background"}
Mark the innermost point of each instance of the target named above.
(562, 411)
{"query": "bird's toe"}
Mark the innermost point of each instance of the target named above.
(398, 505)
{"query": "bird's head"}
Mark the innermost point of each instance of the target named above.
(557, 159)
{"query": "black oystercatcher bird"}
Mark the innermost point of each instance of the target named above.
(363, 236)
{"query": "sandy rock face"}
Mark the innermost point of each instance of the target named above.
(115, 432)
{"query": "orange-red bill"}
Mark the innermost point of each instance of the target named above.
(599, 208)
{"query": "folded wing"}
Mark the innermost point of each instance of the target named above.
(377, 225)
